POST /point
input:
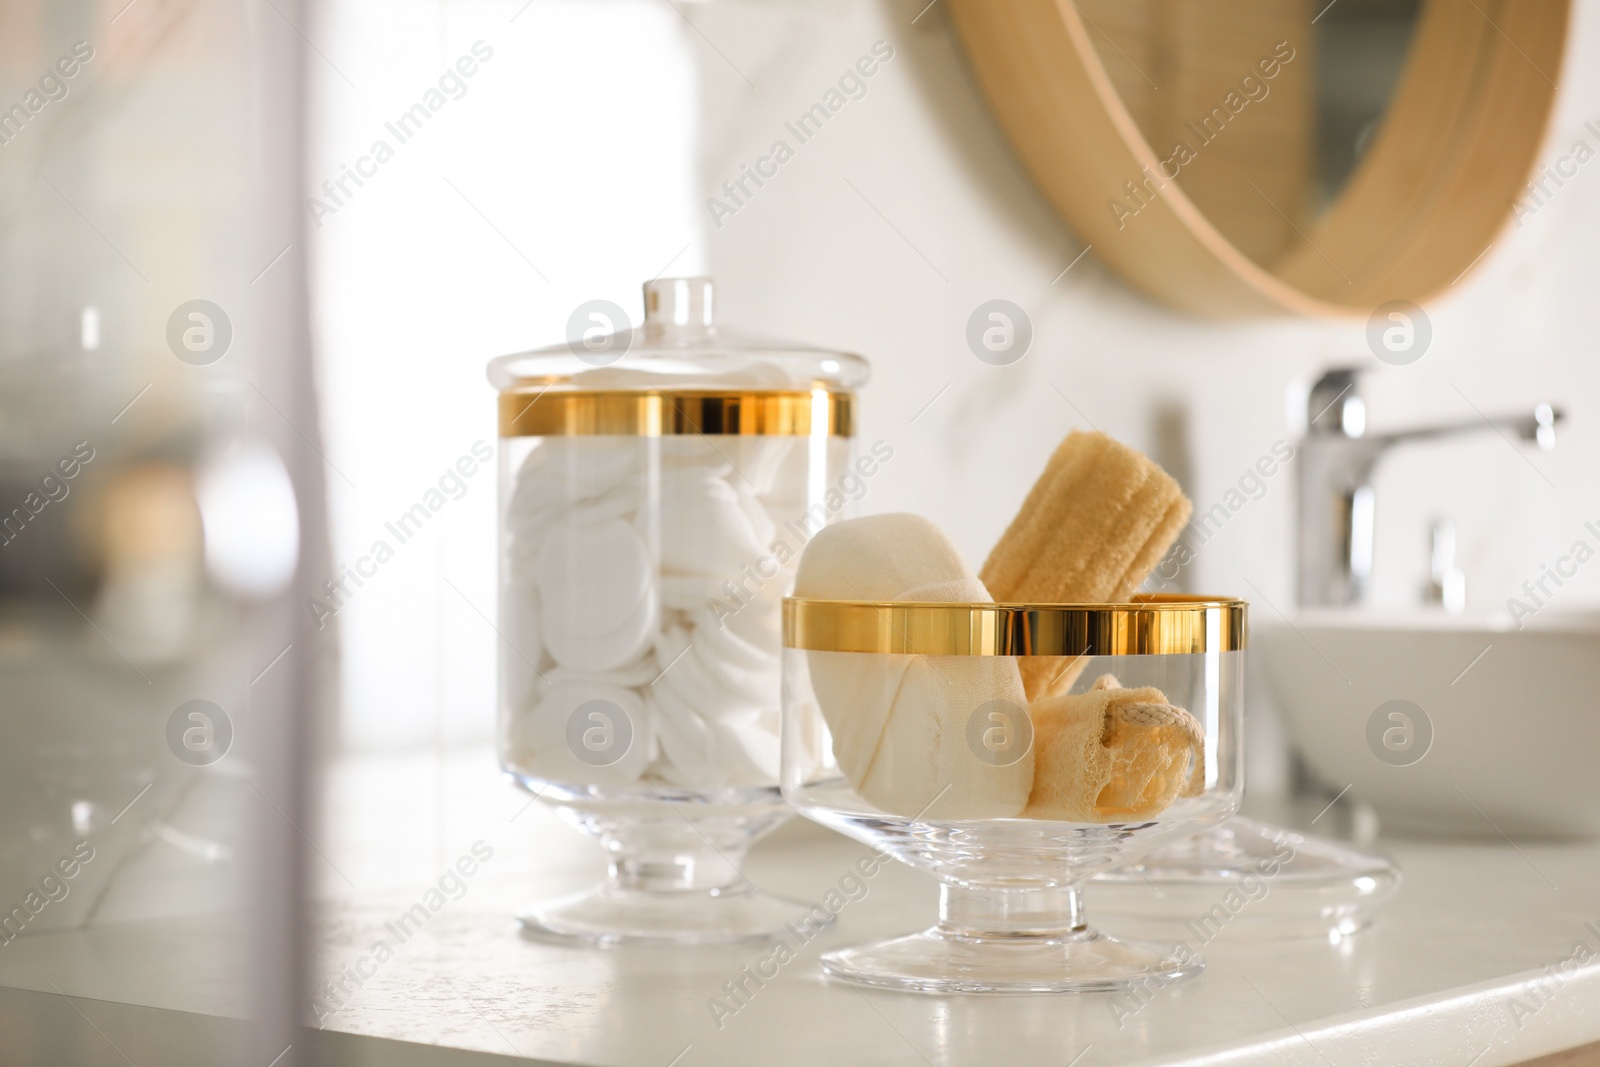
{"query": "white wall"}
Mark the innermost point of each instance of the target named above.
(562, 174)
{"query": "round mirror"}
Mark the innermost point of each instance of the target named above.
(1248, 156)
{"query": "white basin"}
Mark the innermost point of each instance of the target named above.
(1514, 717)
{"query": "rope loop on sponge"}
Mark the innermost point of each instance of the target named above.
(1155, 716)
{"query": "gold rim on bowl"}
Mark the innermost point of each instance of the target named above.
(1148, 624)
(526, 411)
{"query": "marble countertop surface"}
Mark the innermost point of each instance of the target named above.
(1461, 967)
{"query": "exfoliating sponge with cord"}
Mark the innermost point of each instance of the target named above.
(1112, 755)
(1092, 528)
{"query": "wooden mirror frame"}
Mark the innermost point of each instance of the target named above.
(1437, 186)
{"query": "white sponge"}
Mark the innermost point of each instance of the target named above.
(902, 724)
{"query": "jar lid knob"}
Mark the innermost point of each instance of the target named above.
(673, 304)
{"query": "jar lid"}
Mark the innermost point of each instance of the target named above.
(678, 349)
(1149, 624)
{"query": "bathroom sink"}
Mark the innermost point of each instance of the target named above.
(1446, 725)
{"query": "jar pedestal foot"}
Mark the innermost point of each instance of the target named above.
(1011, 941)
(689, 898)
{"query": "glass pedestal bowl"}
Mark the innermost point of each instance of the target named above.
(907, 726)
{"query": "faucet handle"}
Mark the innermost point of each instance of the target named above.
(1447, 583)
(1335, 406)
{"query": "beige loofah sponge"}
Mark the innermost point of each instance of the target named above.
(900, 722)
(1112, 755)
(1094, 525)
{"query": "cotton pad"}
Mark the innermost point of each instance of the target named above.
(531, 526)
(718, 725)
(586, 466)
(704, 528)
(900, 722)
(637, 673)
(707, 753)
(610, 739)
(761, 458)
(519, 629)
(598, 601)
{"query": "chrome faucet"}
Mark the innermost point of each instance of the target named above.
(1447, 584)
(1336, 502)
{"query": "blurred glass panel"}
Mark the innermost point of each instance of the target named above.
(155, 499)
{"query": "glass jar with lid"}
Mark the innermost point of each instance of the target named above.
(656, 489)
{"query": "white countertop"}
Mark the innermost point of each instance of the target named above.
(1443, 977)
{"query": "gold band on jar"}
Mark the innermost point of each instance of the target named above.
(537, 412)
(1149, 624)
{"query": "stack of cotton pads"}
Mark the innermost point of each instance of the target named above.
(642, 574)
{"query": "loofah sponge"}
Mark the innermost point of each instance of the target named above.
(1094, 525)
(900, 722)
(1112, 755)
